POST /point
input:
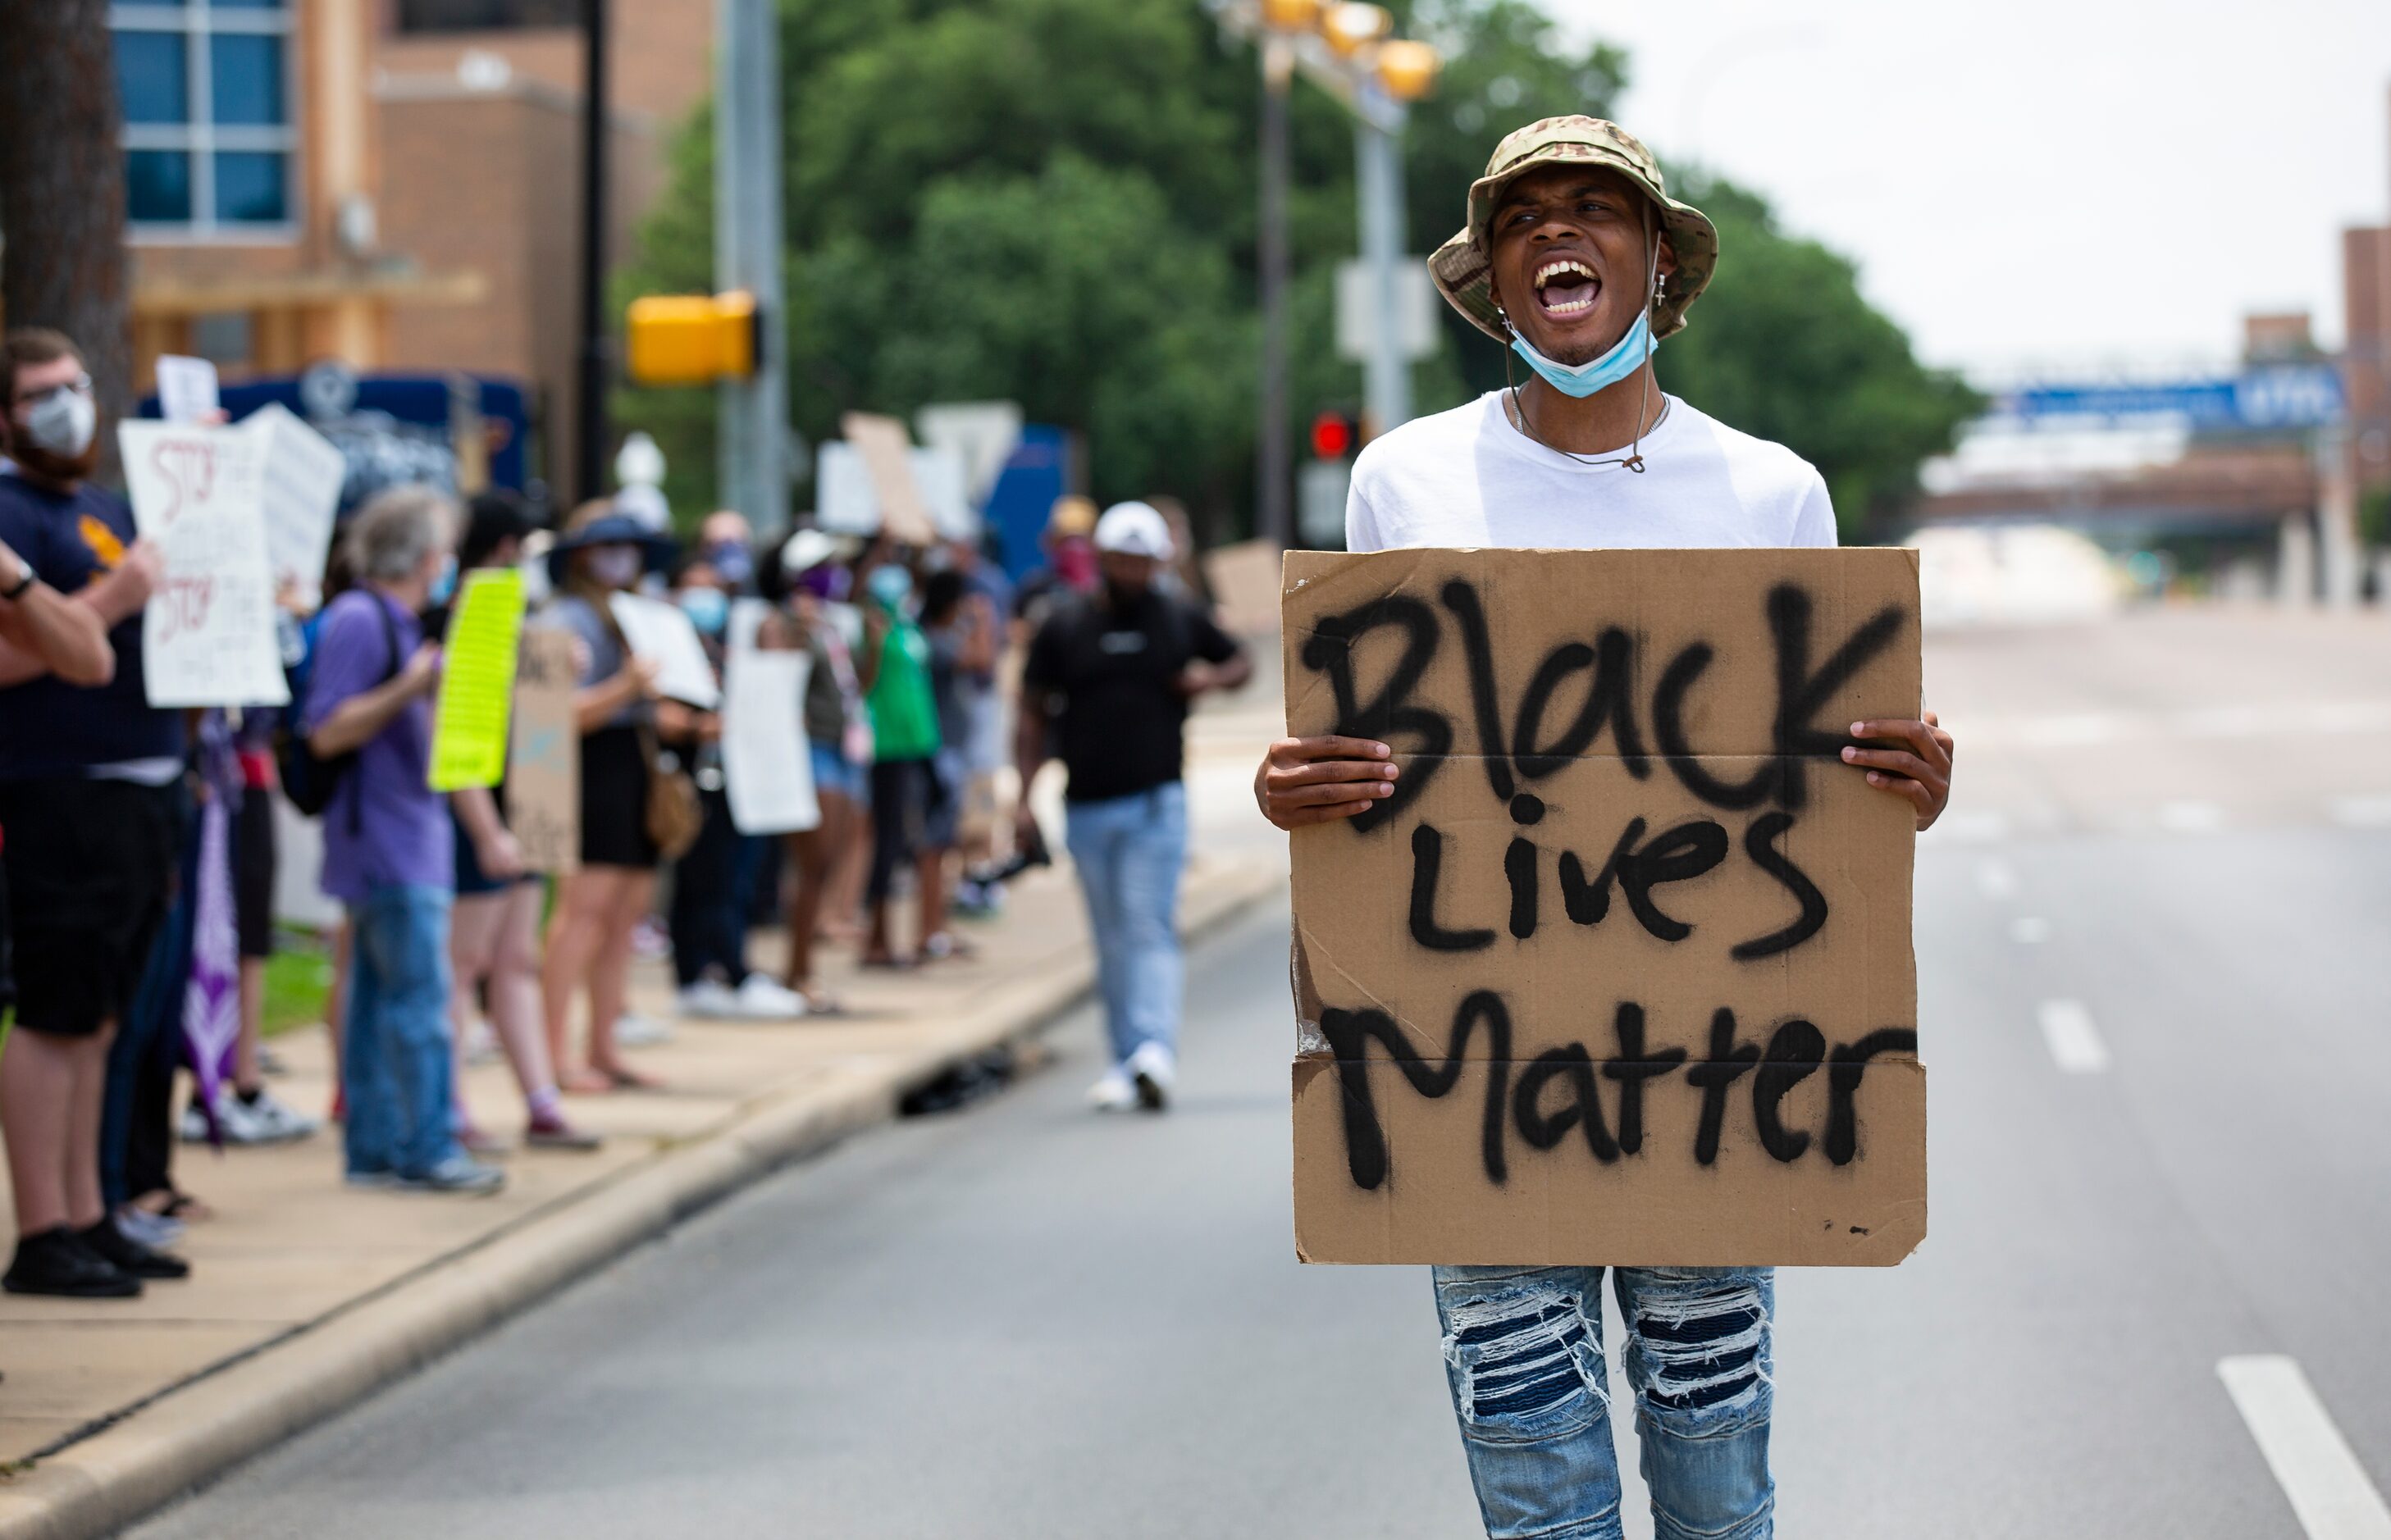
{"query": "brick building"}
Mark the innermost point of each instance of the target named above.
(392, 183)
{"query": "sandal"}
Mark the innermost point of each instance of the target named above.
(618, 1078)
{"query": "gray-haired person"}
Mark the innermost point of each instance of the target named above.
(388, 846)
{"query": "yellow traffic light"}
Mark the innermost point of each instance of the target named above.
(1407, 67)
(1290, 16)
(691, 339)
(1353, 24)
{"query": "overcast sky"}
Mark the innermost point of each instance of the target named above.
(2047, 182)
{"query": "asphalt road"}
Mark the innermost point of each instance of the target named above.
(2159, 1070)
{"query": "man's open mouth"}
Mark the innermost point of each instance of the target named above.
(1566, 287)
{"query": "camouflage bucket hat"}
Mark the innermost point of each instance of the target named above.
(1460, 265)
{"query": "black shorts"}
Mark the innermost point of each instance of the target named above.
(91, 869)
(253, 872)
(614, 800)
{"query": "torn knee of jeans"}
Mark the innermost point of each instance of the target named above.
(1520, 1353)
(1703, 1348)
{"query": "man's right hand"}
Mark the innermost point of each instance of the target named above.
(128, 587)
(1318, 781)
(421, 675)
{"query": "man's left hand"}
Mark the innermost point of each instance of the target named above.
(1915, 762)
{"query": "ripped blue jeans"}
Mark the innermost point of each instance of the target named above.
(1523, 1353)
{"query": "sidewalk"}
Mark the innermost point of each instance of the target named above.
(308, 1295)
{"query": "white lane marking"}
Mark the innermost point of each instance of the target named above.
(2311, 1461)
(2362, 812)
(1996, 879)
(2186, 817)
(2074, 1041)
(2029, 929)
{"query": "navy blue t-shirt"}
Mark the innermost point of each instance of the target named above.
(47, 726)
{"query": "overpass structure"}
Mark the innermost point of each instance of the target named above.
(2259, 451)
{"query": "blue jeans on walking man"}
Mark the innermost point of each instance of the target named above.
(395, 1060)
(1523, 1355)
(1129, 852)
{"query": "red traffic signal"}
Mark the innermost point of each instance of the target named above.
(1332, 435)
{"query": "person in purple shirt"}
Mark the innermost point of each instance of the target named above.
(388, 845)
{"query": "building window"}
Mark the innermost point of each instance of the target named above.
(209, 140)
(464, 16)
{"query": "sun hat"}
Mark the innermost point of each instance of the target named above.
(807, 549)
(1134, 528)
(596, 523)
(1460, 265)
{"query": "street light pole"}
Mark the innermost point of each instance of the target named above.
(751, 414)
(597, 371)
(1387, 385)
(1274, 513)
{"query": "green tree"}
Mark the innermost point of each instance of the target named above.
(1783, 345)
(1052, 201)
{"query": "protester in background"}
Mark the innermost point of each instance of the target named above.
(601, 553)
(961, 631)
(726, 542)
(984, 746)
(1112, 677)
(1070, 561)
(905, 793)
(389, 847)
(90, 804)
(494, 930)
(838, 741)
(709, 897)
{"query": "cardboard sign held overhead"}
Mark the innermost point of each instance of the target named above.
(207, 637)
(544, 762)
(884, 448)
(1621, 973)
(303, 475)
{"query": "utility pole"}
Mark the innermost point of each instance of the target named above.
(597, 371)
(1387, 374)
(753, 413)
(1274, 513)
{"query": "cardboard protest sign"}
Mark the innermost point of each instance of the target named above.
(1244, 580)
(543, 763)
(1621, 973)
(886, 451)
(655, 630)
(207, 639)
(477, 680)
(305, 472)
(767, 771)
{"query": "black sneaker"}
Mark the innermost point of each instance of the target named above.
(56, 1261)
(128, 1255)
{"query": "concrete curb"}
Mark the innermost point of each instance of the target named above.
(195, 1431)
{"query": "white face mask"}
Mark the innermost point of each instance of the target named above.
(62, 421)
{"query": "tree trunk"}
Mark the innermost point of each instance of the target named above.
(62, 190)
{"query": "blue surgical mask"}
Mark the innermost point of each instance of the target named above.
(444, 587)
(890, 584)
(1598, 374)
(708, 608)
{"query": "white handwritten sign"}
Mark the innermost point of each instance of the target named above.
(661, 632)
(769, 774)
(187, 389)
(208, 636)
(303, 472)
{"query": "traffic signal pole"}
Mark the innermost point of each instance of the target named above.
(752, 413)
(1274, 503)
(1387, 374)
(590, 434)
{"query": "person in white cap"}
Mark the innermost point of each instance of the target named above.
(1105, 689)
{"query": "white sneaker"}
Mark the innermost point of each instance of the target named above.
(1114, 1093)
(761, 999)
(271, 1122)
(708, 999)
(633, 1031)
(1152, 1072)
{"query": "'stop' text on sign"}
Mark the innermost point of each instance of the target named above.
(1621, 972)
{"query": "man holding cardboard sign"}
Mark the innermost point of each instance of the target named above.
(1639, 992)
